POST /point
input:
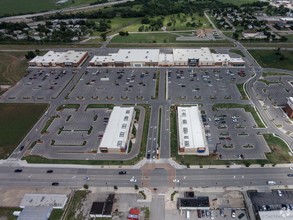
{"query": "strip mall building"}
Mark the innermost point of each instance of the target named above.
(153, 58)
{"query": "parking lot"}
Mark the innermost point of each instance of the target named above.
(276, 200)
(75, 131)
(40, 84)
(205, 85)
(115, 84)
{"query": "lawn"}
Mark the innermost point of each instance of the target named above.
(32, 6)
(7, 212)
(269, 59)
(149, 37)
(239, 2)
(181, 21)
(12, 67)
(279, 150)
(16, 121)
(239, 52)
(242, 91)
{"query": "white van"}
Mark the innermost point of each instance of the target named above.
(271, 182)
(187, 214)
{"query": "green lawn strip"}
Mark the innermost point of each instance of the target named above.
(7, 212)
(12, 67)
(269, 58)
(159, 127)
(16, 121)
(173, 45)
(268, 74)
(110, 106)
(247, 108)
(48, 123)
(43, 160)
(75, 206)
(267, 82)
(56, 214)
(74, 106)
(279, 150)
(241, 90)
(239, 2)
(237, 52)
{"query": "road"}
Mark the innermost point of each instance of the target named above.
(75, 177)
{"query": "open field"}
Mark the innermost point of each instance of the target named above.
(12, 67)
(239, 2)
(158, 37)
(16, 121)
(31, 6)
(7, 212)
(269, 58)
(279, 150)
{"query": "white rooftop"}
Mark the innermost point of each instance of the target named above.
(276, 215)
(221, 57)
(57, 201)
(137, 55)
(203, 54)
(100, 59)
(71, 56)
(118, 128)
(191, 134)
(166, 58)
(51, 56)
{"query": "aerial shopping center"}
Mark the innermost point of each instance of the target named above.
(139, 58)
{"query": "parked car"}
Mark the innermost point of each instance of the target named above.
(233, 213)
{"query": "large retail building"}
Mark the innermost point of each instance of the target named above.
(191, 132)
(154, 57)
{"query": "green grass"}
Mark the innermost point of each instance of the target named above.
(237, 52)
(7, 212)
(181, 24)
(247, 108)
(149, 37)
(240, 88)
(74, 106)
(279, 150)
(267, 74)
(16, 121)
(32, 6)
(56, 214)
(12, 67)
(269, 59)
(239, 2)
(42, 160)
(75, 206)
(48, 123)
(111, 106)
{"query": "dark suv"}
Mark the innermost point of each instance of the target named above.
(122, 172)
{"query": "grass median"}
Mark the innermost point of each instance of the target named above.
(240, 88)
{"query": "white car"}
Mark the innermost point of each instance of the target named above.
(280, 193)
(291, 168)
(133, 180)
(175, 181)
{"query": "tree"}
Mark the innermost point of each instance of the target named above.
(30, 55)
(103, 36)
(235, 35)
